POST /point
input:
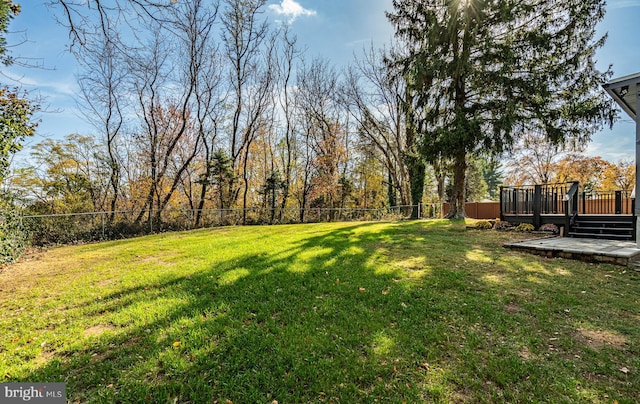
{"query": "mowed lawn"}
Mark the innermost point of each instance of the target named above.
(420, 311)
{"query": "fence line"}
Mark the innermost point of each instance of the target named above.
(64, 228)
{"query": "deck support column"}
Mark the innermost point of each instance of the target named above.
(636, 212)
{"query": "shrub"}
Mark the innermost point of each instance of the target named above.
(13, 236)
(483, 225)
(503, 226)
(525, 227)
(550, 227)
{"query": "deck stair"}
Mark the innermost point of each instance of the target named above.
(610, 227)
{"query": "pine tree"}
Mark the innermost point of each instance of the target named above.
(493, 176)
(484, 71)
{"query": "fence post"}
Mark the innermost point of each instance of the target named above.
(103, 225)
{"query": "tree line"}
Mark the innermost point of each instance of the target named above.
(204, 105)
(208, 105)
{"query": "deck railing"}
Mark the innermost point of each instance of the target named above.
(548, 199)
(606, 203)
(524, 200)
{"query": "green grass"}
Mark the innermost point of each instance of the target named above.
(423, 311)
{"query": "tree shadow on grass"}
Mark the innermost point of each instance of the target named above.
(398, 312)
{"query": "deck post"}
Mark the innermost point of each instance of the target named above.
(537, 206)
(618, 207)
(623, 91)
(636, 212)
(501, 204)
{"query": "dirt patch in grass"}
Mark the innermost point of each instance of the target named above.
(512, 308)
(598, 339)
(105, 282)
(526, 354)
(37, 267)
(97, 330)
(44, 358)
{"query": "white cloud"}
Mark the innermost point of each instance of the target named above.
(291, 9)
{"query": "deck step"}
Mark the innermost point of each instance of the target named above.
(603, 227)
(606, 236)
(591, 225)
(604, 224)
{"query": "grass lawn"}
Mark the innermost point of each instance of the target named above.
(422, 311)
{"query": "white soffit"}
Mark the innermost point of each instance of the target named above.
(624, 91)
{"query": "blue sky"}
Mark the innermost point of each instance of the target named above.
(333, 29)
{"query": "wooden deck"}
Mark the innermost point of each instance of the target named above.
(603, 215)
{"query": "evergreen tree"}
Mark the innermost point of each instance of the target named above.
(483, 71)
(493, 176)
(476, 188)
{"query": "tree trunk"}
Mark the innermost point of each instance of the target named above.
(114, 180)
(416, 175)
(458, 198)
(205, 184)
(391, 191)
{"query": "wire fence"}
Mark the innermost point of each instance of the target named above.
(71, 228)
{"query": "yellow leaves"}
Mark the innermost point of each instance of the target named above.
(176, 344)
(618, 176)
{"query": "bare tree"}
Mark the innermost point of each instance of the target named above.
(534, 159)
(375, 97)
(288, 56)
(194, 24)
(325, 123)
(249, 52)
(149, 68)
(101, 86)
